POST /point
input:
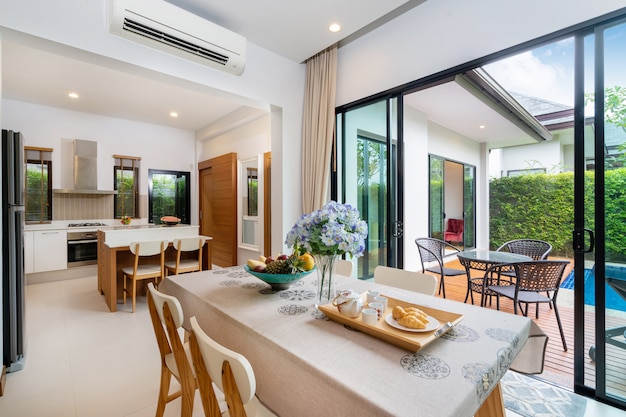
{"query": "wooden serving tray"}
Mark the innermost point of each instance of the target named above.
(407, 340)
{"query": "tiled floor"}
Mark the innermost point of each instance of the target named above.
(83, 361)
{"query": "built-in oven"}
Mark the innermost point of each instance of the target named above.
(82, 245)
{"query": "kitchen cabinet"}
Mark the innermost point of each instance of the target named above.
(29, 253)
(49, 250)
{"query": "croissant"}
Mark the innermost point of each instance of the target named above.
(417, 313)
(412, 322)
(398, 312)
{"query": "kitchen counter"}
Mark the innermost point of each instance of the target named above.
(114, 253)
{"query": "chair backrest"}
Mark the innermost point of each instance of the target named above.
(189, 244)
(539, 276)
(148, 247)
(431, 249)
(455, 225)
(343, 267)
(408, 280)
(215, 359)
(535, 249)
(159, 299)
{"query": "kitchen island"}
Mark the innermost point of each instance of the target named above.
(114, 253)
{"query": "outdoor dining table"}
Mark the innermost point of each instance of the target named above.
(307, 365)
(482, 260)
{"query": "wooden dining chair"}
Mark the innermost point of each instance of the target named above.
(229, 371)
(408, 280)
(532, 279)
(181, 264)
(435, 250)
(166, 314)
(140, 270)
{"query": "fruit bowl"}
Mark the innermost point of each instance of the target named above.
(278, 281)
(170, 220)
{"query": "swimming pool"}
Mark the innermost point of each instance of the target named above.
(613, 299)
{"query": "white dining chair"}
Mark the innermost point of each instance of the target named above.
(181, 264)
(408, 280)
(229, 371)
(343, 267)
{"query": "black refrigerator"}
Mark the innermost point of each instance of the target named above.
(13, 280)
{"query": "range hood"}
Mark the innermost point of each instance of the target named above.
(85, 176)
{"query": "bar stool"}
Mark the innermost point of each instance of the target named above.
(181, 245)
(144, 270)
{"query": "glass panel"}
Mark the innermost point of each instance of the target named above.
(168, 195)
(614, 214)
(365, 159)
(38, 186)
(436, 197)
(469, 202)
(125, 198)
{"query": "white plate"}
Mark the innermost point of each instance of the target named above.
(433, 324)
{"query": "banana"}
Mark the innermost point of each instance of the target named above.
(252, 263)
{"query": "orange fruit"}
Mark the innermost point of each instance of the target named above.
(308, 262)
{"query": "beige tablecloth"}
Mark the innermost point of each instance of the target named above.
(307, 365)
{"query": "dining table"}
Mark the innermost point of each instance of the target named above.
(482, 260)
(306, 364)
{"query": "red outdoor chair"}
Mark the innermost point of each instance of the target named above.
(454, 233)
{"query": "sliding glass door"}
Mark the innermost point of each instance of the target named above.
(452, 195)
(368, 174)
(600, 216)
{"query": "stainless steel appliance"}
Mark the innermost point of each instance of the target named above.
(13, 215)
(82, 245)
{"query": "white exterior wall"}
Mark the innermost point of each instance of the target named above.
(540, 155)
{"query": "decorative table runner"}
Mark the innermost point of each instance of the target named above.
(307, 365)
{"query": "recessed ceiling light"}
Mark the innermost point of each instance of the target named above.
(174, 114)
(482, 126)
(73, 95)
(334, 27)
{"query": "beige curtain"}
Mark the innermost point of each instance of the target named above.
(318, 126)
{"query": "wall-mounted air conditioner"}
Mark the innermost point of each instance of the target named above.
(163, 26)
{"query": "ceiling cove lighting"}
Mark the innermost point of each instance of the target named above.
(334, 27)
(72, 95)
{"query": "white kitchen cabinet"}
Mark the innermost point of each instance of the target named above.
(49, 250)
(29, 253)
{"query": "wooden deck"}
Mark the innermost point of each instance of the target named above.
(559, 365)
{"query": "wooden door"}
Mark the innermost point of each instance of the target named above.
(218, 207)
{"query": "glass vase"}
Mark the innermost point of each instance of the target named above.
(325, 290)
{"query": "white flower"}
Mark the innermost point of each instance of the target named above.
(336, 229)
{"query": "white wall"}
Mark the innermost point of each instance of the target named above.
(441, 34)
(269, 80)
(159, 147)
(545, 155)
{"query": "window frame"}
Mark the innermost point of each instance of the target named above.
(183, 213)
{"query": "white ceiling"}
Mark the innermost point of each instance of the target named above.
(295, 30)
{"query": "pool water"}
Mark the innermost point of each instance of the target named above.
(613, 299)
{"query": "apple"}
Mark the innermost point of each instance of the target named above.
(259, 268)
(282, 257)
(269, 260)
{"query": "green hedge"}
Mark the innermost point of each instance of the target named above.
(541, 206)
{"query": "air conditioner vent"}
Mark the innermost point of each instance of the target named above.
(159, 36)
(160, 25)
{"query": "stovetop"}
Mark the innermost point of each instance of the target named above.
(85, 224)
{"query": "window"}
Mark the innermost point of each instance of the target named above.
(38, 184)
(168, 195)
(518, 172)
(126, 182)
